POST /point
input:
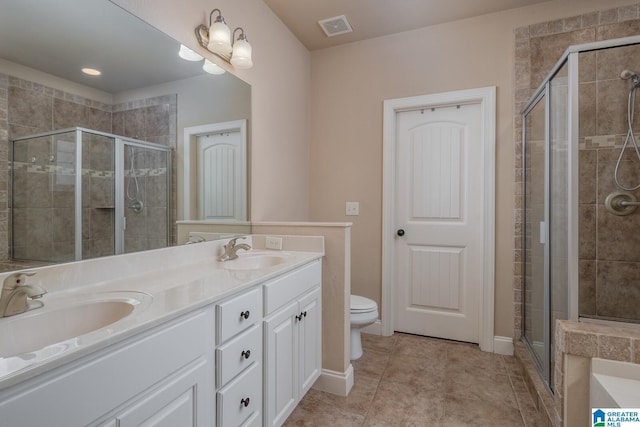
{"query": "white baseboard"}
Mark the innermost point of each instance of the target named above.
(503, 345)
(373, 329)
(338, 383)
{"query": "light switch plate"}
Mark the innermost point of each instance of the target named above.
(353, 208)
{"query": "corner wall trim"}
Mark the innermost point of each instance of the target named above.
(338, 383)
(503, 345)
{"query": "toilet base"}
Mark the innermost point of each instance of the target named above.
(356, 344)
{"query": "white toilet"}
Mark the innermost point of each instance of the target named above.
(364, 312)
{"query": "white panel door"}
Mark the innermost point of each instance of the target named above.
(439, 212)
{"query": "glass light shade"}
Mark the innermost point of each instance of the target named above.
(212, 68)
(219, 38)
(241, 57)
(188, 54)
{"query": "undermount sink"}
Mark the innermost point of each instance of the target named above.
(38, 329)
(254, 262)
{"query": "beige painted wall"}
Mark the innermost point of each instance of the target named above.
(348, 86)
(280, 81)
(333, 98)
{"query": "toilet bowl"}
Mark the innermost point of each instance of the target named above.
(364, 312)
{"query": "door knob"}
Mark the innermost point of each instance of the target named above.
(400, 232)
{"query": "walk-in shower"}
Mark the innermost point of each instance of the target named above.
(78, 193)
(581, 260)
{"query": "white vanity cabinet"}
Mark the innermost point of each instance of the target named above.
(244, 360)
(162, 377)
(292, 339)
(239, 359)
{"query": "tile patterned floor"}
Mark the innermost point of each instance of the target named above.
(406, 380)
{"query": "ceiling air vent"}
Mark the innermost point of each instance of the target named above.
(336, 25)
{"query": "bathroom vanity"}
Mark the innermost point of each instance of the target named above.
(207, 343)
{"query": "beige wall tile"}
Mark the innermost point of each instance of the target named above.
(614, 348)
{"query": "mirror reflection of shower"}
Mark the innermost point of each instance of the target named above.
(133, 186)
(621, 202)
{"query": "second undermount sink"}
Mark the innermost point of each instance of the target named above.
(254, 262)
(55, 324)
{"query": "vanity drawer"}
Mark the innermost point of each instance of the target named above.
(238, 313)
(289, 286)
(241, 399)
(239, 353)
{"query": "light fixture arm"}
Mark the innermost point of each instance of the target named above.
(242, 36)
(219, 18)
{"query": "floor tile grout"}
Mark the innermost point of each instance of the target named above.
(463, 385)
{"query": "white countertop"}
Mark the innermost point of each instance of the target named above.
(195, 280)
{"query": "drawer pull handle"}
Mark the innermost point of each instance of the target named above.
(304, 313)
(245, 314)
(245, 402)
(246, 354)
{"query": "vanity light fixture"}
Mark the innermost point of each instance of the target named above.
(208, 66)
(212, 68)
(218, 40)
(188, 54)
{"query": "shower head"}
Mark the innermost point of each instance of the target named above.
(627, 74)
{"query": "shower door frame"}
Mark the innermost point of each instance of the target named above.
(571, 58)
(119, 143)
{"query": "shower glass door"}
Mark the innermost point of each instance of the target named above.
(546, 207)
(143, 214)
(42, 204)
(535, 188)
(98, 194)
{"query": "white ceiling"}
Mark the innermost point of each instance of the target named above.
(375, 18)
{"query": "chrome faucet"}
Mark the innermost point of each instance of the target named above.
(231, 249)
(17, 297)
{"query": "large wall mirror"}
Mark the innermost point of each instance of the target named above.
(104, 164)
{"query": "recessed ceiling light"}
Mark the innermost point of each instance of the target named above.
(91, 71)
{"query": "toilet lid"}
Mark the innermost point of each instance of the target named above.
(360, 304)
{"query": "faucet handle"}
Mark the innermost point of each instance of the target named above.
(17, 279)
(232, 242)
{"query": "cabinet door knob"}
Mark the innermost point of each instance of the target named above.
(400, 232)
(245, 402)
(245, 314)
(246, 354)
(299, 317)
(304, 313)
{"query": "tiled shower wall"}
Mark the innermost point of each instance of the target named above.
(538, 48)
(27, 108)
(609, 258)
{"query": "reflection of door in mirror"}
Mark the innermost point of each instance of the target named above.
(220, 169)
(217, 174)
